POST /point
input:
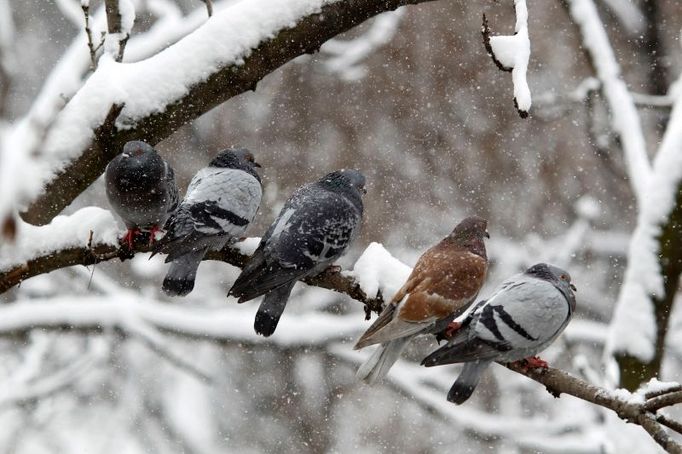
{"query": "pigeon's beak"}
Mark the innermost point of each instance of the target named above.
(255, 164)
(487, 235)
(573, 287)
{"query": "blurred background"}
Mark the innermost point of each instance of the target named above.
(430, 120)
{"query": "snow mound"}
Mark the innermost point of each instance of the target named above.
(63, 232)
(377, 270)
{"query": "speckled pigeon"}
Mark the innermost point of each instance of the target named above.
(221, 201)
(443, 284)
(141, 189)
(522, 317)
(315, 227)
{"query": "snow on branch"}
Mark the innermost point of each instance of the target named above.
(226, 56)
(120, 20)
(654, 259)
(90, 236)
(624, 116)
(133, 314)
(511, 53)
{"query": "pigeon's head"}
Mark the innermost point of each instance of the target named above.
(559, 276)
(471, 228)
(236, 158)
(136, 149)
(138, 168)
(345, 179)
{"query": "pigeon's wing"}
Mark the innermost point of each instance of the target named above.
(525, 315)
(223, 201)
(464, 345)
(313, 229)
(318, 232)
(219, 203)
(171, 189)
(384, 319)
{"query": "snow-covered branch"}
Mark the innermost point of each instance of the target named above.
(89, 236)
(219, 60)
(624, 116)
(633, 408)
(346, 56)
(639, 326)
(511, 53)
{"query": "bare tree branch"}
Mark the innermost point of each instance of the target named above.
(559, 382)
(226, 82)
(88, 33)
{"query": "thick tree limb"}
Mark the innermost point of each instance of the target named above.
(224, 83)
(331, 279)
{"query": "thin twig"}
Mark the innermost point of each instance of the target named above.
(666, 400)
(209, 7)
(88, 33)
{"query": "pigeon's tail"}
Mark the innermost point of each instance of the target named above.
(465, 384)
(381, 361)
(179, 280)
(271, 309)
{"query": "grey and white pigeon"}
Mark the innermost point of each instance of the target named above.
(314, 228)
(522, 317)
(221, 201)
(442, 285)
(141, 189)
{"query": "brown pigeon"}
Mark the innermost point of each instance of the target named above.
(443, 284)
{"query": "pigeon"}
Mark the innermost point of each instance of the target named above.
(141, 189)
(442, 285)
(521, 318)
(221, 201)
(314, 228)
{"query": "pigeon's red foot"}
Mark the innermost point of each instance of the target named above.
(129, 238)
(152, 233)
(452, 328)
(535, 362)
(532, 362)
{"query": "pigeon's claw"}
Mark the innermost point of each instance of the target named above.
(452, 329)
(129, 238)
(532, 362)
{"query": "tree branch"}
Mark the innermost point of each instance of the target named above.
(637, 412)
(227, 81)
(331, 279)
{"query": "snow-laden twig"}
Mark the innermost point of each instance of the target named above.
(512, 53)
(624, 116)
(346, 56)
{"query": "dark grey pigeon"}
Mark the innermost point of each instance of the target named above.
(315, 227)
(522, 317)
(221, 201)
(141, 189)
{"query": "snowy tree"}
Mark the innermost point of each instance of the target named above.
(586, 176)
